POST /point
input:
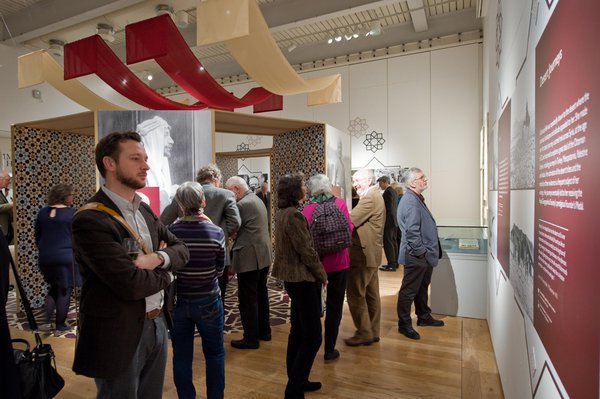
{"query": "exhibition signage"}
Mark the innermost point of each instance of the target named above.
(567, 209)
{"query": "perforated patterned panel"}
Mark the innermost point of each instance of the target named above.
(44, 158)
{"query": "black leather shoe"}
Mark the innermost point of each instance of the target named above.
(409, 332)
(266, 337)
(431, 322)
(243, 344)
(387, 268)
(335, 354)
(310, 386)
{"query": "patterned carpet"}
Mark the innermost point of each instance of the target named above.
(278, 301)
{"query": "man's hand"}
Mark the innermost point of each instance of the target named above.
(149, 261)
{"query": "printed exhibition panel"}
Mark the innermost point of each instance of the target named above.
(176, 142)
(567, 115)
(338, 163)
(503, 236)
(522, 186)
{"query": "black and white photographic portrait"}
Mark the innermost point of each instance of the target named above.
(169, 139)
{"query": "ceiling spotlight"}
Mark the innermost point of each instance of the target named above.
(355, 35)
(55, 47)
(348, 36)
(330, 40)
(182, 19)
(338, 36)
(291, 48)
(106, 32)
(149, 76)
(374, 28)
(164, 9)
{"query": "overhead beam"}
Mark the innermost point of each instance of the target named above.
(338, 12)
(417, 14)
(49, 16)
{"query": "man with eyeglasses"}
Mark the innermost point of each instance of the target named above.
(420, 251)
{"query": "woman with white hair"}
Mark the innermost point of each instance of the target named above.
(336, 264)
(199, 304)
(156, 137)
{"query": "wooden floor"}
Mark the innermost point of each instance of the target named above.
(455, 361)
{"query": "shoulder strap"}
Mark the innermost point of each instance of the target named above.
(97, 206)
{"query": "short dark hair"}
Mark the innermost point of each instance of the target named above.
(289, 190)
(58, 194)
(109, 147)
(384, 179)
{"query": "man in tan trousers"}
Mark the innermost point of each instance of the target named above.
(362, 289)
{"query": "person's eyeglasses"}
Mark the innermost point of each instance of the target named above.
(420, 178)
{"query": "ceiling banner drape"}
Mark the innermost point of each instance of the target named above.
(39, 66)
(92, 55)
(158, 38)
(257, 53)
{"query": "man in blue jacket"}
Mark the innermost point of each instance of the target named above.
(419, 252)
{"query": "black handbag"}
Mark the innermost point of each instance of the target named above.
(37, 367)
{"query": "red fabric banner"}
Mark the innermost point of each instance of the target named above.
(92, 55)
(273, 103)
(158, 38)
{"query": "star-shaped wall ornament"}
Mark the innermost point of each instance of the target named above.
(374, 141)
(358, 127)
(253, 141)
(243, 147)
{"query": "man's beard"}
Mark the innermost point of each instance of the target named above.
(129, 182)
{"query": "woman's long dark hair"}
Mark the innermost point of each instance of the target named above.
(289, 190)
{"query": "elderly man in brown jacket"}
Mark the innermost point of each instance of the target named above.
(362, 291)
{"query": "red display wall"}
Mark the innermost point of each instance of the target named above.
(567, 214)
(503, 240)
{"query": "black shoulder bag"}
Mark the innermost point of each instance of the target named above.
(37, 367)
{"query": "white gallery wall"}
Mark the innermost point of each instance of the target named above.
(421, 109)
(6, 153)
(18, 105)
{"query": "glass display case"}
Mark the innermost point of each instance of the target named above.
(459, 281)
(464, 239)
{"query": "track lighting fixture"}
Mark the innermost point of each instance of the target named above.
(182, 19)
(55, 47)
(374, 28)
(106, 32)
(164, 9)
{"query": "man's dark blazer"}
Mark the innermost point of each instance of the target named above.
(419, 231)
(390, 198)
(113, 305)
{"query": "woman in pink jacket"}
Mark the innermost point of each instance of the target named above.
(336, 264)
